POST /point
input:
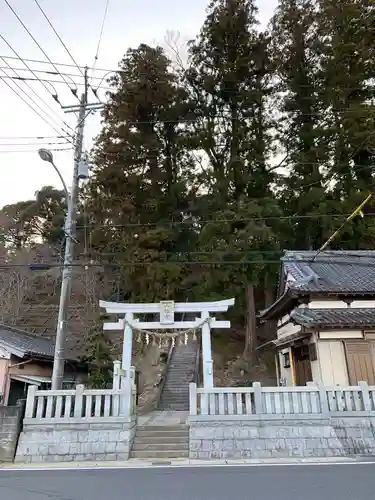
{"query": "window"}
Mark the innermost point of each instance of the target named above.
(286, 359)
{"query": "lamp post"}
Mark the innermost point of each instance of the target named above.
(46, 155)
(70, 225)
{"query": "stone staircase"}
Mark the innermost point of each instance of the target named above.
(161, 441)
(181, 371)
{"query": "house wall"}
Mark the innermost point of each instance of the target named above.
(32, 368)
(332, 360)
(286, 377)
(3, 379)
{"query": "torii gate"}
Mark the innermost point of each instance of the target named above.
(166, 310)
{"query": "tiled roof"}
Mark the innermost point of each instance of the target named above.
(345, 273)
(351, 272)
(334, 318)
(28, 344)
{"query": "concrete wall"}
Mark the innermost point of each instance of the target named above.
(108, 439)
(10, 425)
(292, 437)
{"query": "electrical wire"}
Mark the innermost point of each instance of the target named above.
(35, 266)
(32, 150)
(54, 73)
(28, 79)
(29, 105)
(18, 137)
(2, 144)
(58, 36)
(219, 221)
(73, 91)
(42, 100)
(100, 39)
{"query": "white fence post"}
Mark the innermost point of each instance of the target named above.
(30, 401)
(365, 395)
(116, 375)
(324, 407)
(258, 398)
(193, 398)
(78, 401)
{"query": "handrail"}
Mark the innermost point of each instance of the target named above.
(197, 373)
(163, 376)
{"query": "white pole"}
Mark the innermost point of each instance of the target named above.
(127, 347)
(208, 376)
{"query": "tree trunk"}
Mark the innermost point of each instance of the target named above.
(270, 327)
(250, 333)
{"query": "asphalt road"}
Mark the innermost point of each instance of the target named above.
(306, 482)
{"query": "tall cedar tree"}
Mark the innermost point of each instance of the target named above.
(229, 80)
(138, 195)
(301, 124)
(346, 29)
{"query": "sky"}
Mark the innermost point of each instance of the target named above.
(78, 22)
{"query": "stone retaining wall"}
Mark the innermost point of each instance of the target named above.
(291, 437)
(76, 441)
(10, 426)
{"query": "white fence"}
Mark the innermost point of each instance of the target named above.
(273, 401)
(78, 404)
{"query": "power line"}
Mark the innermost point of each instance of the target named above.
(100, 38)
(2, 144)
(58, 36)
(38, 97)
(28, 104)
(219, 221)
(28, 79)
(37, 44)
(54, 73)
(18, 137)
(32, 150)
(35, 266)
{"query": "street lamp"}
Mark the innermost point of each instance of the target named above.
(46, 155)
(70, 226)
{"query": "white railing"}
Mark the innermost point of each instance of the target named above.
(257, 400)
(80, 403)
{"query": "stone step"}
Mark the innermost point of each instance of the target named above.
(161, 438)
(162, 435)
(164, 428)
(158, 454)
(159, 446)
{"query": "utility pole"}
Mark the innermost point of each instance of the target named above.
(70, 232)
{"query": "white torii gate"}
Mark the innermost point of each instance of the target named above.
(166, 310)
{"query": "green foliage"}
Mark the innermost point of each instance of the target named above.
(98, 357)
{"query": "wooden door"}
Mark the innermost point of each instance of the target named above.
(360, 361)
(302, 365)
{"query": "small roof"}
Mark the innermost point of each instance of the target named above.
(338, 273)
(334, 318)
(25, 344)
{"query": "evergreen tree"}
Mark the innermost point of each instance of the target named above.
(301, 124)
(347, 28)
(98, 356)
(139, 193)
(229, 79)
